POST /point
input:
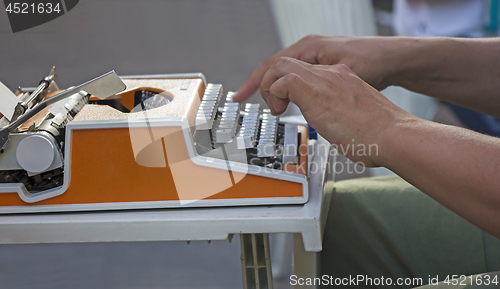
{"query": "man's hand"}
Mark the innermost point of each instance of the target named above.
(336, 102)
(457, 167)
(457, 70)
(369, 57)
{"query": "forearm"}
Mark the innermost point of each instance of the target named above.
(457, 167)
(462, 71)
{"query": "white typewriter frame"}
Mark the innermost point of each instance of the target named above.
(168, 121)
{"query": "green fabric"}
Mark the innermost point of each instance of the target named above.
(384, 227)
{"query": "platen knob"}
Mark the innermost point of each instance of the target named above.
(35, 153)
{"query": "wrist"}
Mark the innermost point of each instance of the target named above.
(397, 138)
(409, 60)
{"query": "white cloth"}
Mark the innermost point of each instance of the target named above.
(427, 18)
(298, 18)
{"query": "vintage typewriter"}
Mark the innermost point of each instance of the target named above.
(157, 141)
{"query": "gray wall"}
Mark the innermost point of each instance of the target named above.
(224, 39)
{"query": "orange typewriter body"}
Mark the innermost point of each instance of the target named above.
(120, 155)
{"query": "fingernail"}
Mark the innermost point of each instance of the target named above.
(238, 93)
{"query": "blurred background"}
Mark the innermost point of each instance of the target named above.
(225, 40)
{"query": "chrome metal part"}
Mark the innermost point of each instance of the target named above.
(9, 160)
(208, 107)
(247, 136)
(29, 101)
(228, 123)
(290, 144)
(103, 86)
(268, 133)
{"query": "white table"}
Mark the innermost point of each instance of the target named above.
(305, 221)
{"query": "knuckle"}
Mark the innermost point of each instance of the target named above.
(262, 91)
(281, 61)
(342, 68)
(330, 72)
(323, 57)
(310, 37)
(291, 79)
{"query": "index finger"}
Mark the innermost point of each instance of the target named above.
(306, 50)
(289, 73)
(252, 83)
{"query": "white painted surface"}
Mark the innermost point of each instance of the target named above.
(8, 102)
(175, 224)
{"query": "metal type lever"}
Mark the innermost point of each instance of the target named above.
(30, 100)
(102, 87)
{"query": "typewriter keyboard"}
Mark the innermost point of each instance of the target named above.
(242, 128)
